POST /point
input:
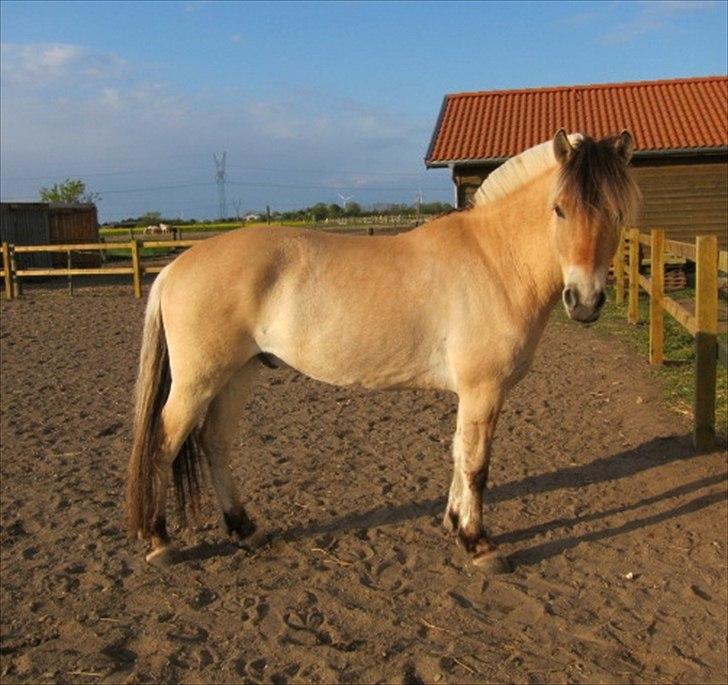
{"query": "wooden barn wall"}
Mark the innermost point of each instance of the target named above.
(74, 225)
(685, 200)
(26, 224)
(468, 180)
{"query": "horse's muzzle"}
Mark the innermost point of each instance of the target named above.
(584, 310)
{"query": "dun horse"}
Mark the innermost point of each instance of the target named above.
(459, 304)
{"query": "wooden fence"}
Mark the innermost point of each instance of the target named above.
(12, 275)
(701, 321)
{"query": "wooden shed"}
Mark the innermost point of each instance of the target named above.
(41, 223)
(680, 128)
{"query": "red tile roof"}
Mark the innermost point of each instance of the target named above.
(678, 114)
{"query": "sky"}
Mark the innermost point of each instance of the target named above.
(311, 101)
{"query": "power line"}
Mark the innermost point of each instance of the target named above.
(89, 174)
(253, 184)
(154, 188)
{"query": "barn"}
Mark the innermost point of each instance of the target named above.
(42, 223)
(680, 128)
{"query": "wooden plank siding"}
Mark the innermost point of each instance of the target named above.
(685, 200)
(26, 223)
(74, 224)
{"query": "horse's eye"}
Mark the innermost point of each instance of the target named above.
(559, 212)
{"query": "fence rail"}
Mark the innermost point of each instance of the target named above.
(701, 322)
(12, 275)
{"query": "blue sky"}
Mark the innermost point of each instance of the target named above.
(309, 100)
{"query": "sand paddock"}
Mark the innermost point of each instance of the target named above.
(617, 530)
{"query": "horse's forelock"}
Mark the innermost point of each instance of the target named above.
(596, 181)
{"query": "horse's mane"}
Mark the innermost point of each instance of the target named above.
(594, 178)
(519, 170)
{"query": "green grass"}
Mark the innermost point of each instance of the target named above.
(678, 372)
(191, 228)
(123, 232)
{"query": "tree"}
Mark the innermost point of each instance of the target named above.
(319, 211)
(149, 219)
(353, 209)
(71, 191)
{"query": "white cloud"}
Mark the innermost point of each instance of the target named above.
(67, 110)
(40, 65)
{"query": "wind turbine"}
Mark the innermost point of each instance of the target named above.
(345, 199)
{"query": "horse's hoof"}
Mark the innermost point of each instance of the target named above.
(162, 556)
(255, 541)
(492, 562)
(450, 521)
(238, 525)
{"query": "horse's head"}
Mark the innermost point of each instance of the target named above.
(594, 196)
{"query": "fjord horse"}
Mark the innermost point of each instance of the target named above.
(459, 303)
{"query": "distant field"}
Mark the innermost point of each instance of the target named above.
(111, 231)
(363, 224)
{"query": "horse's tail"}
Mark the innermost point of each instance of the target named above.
(152, 389)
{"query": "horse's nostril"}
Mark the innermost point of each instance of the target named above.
(571, 298)
(600, 300)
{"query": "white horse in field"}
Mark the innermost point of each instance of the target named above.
(459, 303)
(161, 228)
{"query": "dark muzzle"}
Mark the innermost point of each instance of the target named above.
(581, 309)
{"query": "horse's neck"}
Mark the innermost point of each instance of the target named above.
(518, 227)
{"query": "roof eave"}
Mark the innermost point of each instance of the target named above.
(640, 154)
(436, 131)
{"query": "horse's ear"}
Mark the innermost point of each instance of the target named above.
(624, 145)
(562, 146)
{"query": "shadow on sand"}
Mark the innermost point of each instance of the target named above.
(649, 455)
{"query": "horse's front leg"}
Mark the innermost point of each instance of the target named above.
(477, 417)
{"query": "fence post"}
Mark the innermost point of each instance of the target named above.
(657, 293)
(136, 266)
(7, 275)
(618, 268)
(69, 265)
(633, 312)
(16, 285)
(706, 341)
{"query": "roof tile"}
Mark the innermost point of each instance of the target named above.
(676, 114)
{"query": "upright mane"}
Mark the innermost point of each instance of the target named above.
(519, 170)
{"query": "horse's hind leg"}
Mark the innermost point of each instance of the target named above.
(182, 411)
(218, 432)
(451, 521)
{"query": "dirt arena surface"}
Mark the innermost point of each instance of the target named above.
(616, 529)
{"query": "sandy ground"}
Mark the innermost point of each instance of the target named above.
(616, 528)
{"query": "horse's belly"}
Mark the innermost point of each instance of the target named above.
(382, 376)
(341, 354)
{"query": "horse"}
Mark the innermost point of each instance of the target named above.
(154, 228)
(458, 303)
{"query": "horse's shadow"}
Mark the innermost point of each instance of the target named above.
(652, 454)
